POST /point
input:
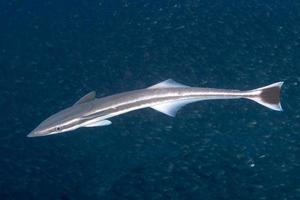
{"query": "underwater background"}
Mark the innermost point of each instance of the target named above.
(53, 52)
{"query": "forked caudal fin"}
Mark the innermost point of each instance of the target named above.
(268, 96)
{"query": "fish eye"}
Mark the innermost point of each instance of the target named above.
(58, 128)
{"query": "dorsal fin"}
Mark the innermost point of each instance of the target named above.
(86, 98)
(167, 84)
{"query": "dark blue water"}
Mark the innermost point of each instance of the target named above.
(54, 52)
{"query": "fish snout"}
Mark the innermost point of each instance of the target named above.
(37, 132)
(33, 134)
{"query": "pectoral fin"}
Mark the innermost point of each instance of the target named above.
(98, 123)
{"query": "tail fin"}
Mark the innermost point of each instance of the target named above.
(268, 96)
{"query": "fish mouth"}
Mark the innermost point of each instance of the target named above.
(40, 133)
(32, 134)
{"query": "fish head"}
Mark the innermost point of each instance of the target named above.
(66, 120)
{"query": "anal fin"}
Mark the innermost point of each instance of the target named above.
(171, 108)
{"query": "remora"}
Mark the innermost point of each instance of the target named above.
(167, 97)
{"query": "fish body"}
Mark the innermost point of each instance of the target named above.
(166, 97)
